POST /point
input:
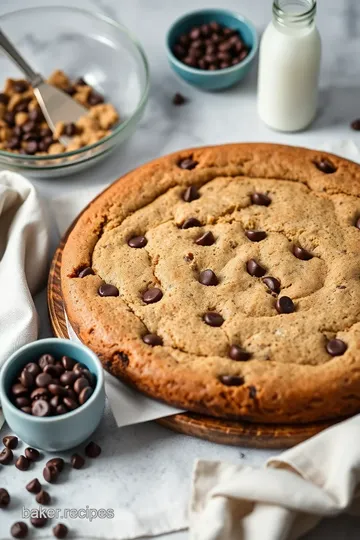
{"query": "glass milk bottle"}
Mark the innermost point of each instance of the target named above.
(289, 66)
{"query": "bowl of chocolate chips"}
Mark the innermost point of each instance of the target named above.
(212, 49)
(52, 393)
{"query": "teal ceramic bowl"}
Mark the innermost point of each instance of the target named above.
(53, 433)
(221, 78)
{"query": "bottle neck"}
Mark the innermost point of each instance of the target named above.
(294, 15)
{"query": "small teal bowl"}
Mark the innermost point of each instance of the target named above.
(221, 78)
(53, 433)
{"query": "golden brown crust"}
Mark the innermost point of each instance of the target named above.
(290, 376)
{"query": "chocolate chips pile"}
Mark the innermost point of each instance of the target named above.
(210, 47)
(51, 472)
(49, 387)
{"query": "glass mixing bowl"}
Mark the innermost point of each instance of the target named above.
(82, 44)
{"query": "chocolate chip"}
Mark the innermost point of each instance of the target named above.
(252, 392)
(46, 132)
(26, 378)
(189, 257)
(9, 118)
(40, 408)
(61, 409)
(34, 486)
(77, 461)
(85, 394)
(6, 456)
(70, 403)
(90, 376)
(57, 462)
(70, 129)
(357, 223)
(213, 319)
(302, 254)
(4, 99)
(54, 371)
(178, 99)
(260, 199)
(208, 277)
(152, 295)
(80, 81)
(255, 236)
(32, 454)
(17, 131)
(20, 86)
(60, 530)
(336, 347)
(284, 304)
(78, 368)
(108, 290)
(43, 497)
(325, 166)
(354, 125)
(22, 463)
(19, 530)
(38, 521)
(33, 368)
(92, 450)
(68, 364)
(55, 401)
(70, 393)
(36, 115)
(95, 98)
(46, 359)
(69, 90)
(4, 498)
(19, 390)
(137, 242)
(43, 379)
(207, 239)
(31, 148)
(188, 164)
(88, 271)
(57, 390)
(152, 339)
(14, 143)
(10, 441)
(22, 402)
(254, 269)
(50, 473)
(190, 223)
(80, 384)
(231, 380)
(272, 284)
(238, 354)
(26, 410)
(191, 194)
(40, 393)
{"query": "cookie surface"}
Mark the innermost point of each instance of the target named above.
(226, 280)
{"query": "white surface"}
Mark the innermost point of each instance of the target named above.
(206, 119)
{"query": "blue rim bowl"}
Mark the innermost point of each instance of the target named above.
(53, 433)
(220, 78)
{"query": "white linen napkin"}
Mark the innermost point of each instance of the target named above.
(293, 492)
(24, 242)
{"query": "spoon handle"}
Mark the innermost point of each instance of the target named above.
(34, 78)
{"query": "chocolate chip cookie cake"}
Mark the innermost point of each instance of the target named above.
(226, 281)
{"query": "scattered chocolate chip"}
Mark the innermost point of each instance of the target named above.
(14, 143)
(208, 277)
(254, 268)
(22, 463)
(10, 441)
(33, 486)
(325, 166)
(6, 456)
(57, 390)
(207, 239)
(191, 194)
(152, 295)
(17, 131)
(260, 199)
(85, 394)
(152, 339)
(54, 371)
(90, 376)
(71, 403)
(20, 86)
(33, 368)
(284, 304)
(137, 242)
(50, 473)
(43, 379)
(19, 390)
(68, 363)
(19, 530)
(302, 254)
(60, 530)
(213, 319)
(36, 115)
(40, 408)
(356, 124)
(31, 148)
(336, 347)
(38, 521)
(189, 257)
(272, 284)
(238, 354)
(43, 497)
(231, 380)
(46, 132)
(178, 99)
(77, 461)
(108, 290)
(32, 454)
(4, 99)
(46, 359)
(57, 462)
(190, 223)
(29, 126)
(188, 164)
(4, 498)
(9, 118)
(22, 402)
(26, 378)
(255, 236)
(92, 450)
(88, 271)
(80, 384)
(70, 129)
(69, 377)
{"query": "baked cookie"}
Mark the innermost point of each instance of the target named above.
(226, 281)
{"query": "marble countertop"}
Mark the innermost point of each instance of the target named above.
(219, 117)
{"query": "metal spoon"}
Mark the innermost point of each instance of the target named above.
(54, 103)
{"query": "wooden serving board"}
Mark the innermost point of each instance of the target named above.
(217, 430)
